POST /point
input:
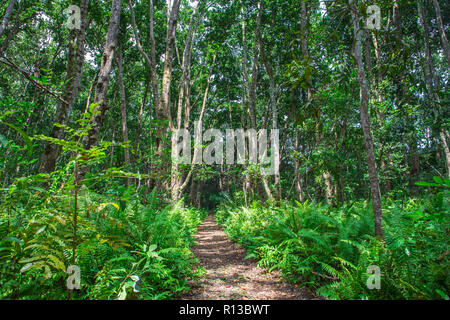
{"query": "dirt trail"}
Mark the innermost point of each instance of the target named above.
(230, 276)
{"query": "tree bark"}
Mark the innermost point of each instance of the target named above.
(298, 178)
(163, 109)
(101, 88)
(431, 82)
(185, 67)
(273, 103)
(151, 61)
(402, 97)
(444, 40)
(177, 186)
(380, 114)
(141, 114)
(446, 150)
(13, 31)
(6, 17)
(123, 110)
(329, 196)
(365, 122)
(74, 73)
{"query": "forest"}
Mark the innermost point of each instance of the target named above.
(224, 149)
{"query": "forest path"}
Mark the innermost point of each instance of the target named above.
(232, 277)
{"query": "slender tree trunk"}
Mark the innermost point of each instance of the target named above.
(177, 186)
(185, 67)
(431, 82)
(245, 95)
(273, 104)
(365, 121)
(250, 87)
(380, 114)
(403, 98)
(176, 176)
(446, 150)
(141, 114)
(163, 109)
(13, 31)
(444, 40)
(123, 110)
(305, 52)
(298, 179)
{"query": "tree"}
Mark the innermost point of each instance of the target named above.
(365, 119)
(74, 71)
(101, 88)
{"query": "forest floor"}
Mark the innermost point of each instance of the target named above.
(232, 277)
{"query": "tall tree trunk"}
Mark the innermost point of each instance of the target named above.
(273, 104)
(141, 114)
(6, 17)
(74, 71)
(444, 40)
(298, 178)
(13, 30)
(123, 110)
(380, 114)
(365, 121)
(249, 99)
(185, 67)
(305, 52)
(403, 98)
(101, 88)
(431, 82)
(163, 109)
(443, 137)
(177, 186)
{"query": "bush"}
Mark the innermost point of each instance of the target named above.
(330, 249)
(126, 251)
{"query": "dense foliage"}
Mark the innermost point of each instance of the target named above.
(125, 249)
(330, 249)
(90, 97)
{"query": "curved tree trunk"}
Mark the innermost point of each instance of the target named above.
(101, 88)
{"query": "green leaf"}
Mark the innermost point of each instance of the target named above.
(57, 263)
(426, 184)
(442, 294)
(438, 180)
(14, 239)
(24, 136)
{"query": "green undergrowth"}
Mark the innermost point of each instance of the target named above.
(125, 249)
(331, 249)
